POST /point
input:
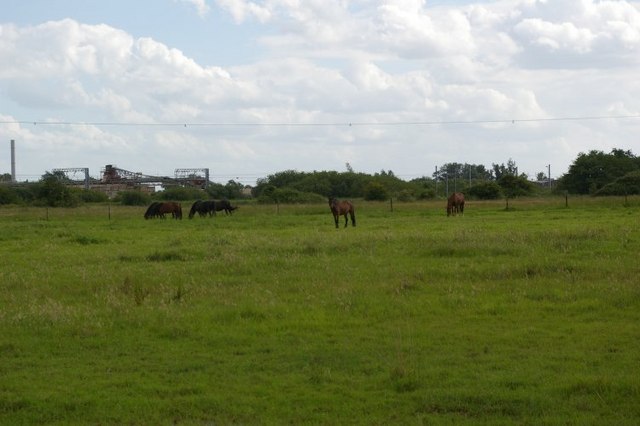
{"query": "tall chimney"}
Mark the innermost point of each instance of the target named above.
(13, 161)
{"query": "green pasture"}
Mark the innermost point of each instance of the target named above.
(529, 316)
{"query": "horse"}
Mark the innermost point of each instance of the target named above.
(170, 207)
(203, 208)
(455, 204)
(342, 208)
(224, 205)
(152, 210)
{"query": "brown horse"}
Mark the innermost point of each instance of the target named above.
(342, 208)
(170, 207)
(455, 204)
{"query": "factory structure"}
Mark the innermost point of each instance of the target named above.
(114, 179)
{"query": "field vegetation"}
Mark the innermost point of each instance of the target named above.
(272, 316)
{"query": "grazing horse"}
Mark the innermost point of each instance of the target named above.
(203, 208)
(455, 204)
(170, 207)
(342, 208)
(152, 210)
(224, 205)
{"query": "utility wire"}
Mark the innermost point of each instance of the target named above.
(329, 124)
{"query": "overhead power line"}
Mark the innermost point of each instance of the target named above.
(327, 124)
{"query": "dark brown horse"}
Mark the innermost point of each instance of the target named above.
(152, 210)
(342, 208)
(170, 207)
(203, 208)
(455, 204)
(224, 205)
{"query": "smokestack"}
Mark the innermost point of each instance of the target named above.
(13, 161)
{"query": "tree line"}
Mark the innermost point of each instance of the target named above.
(595, 172)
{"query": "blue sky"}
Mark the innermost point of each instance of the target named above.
(271, 85)
(212, 39)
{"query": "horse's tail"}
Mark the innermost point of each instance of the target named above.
(352, 213)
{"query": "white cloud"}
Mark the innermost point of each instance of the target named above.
(242, 10)
(201, 6)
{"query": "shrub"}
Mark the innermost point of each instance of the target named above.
(92, 196)
(8, 195)
(289, 195)
(133, 198)
(182, 194)
(426, 194)
(628, 184)
(405, 196)
(486, 191)
(375, 191)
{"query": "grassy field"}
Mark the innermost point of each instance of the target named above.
(528, 316)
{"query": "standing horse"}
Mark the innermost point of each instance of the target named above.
(342, 208)
(455, 204)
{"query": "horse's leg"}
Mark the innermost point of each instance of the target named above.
(353, 217)
(346, 220)
(336, 219)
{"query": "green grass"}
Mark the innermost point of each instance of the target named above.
(527, 316)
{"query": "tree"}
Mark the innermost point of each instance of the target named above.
(234, 189)
(595, 169)
(515, 186)
(449, 171)
(51, 191)
(500, 170)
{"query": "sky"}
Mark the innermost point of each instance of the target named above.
(248, 88)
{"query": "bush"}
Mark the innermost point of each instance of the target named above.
(486, 191)
(289, 195)
(405, 196)
(375, 191)
(8, 195)
(133, 198)
(92, 196)
(426, 194)
(628, 184)
(182, 194)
